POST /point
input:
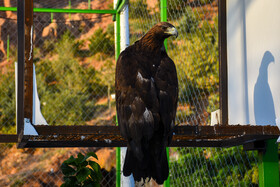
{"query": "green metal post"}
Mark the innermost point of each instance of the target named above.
(163, 18)
(118, 37)
(269, 165)
(163, 14)
(163, 10)
(51, 17)
(89, 1)
(8, 47)
(117, 51)
(167, 182)
(118, 167)
(69, 8)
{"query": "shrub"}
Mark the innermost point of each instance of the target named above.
(7, 101)
(199, 64)
(101, 42)
(189, 22)
(67, 90)
(140, 7)
(221, 167)
(81, 171)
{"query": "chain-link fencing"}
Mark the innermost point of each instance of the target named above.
(195, 53)
(74, 59)
(74, 62)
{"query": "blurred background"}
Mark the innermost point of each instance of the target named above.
(74, 55)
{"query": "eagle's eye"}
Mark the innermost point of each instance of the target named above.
(164, 27)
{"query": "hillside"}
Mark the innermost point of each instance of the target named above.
(41, 167)
(74, 58)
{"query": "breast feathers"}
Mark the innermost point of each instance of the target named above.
(146, 101)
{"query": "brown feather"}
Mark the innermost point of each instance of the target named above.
(146, 99)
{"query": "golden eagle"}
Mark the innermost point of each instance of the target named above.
(146, 99)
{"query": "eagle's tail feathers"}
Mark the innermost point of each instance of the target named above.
(149, 167)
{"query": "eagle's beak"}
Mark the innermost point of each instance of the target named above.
(172, 31)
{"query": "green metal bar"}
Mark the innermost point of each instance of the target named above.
(8, 47)
(51, 17)
(69, 8)
(117, 54)
(57, 10)
(167, 182)
(163, 10)
(118, 167)
(89, 1)
(163, 15)
(118, 37)
(269, 165)
(118, 4)
(119, 7)
(14, 9)
(163, 18)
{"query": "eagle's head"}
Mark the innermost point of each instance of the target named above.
(152, 41)
(164, 30)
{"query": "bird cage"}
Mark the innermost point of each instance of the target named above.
(237, 109)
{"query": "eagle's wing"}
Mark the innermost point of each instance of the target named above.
(167, 90)
(137, 102)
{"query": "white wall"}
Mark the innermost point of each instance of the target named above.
(253, 34)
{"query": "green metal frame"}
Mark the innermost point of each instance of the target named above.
(116, 18)
(163, 18)
(269, 165)
(8, 47)
(57, 10)
(268, 160)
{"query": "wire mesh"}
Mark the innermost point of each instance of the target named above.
(8, 36)
(74, 58)
(41, 167)
(195, 53)
(74, 61)
(76, 54)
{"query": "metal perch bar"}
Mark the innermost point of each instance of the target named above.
(185, 135)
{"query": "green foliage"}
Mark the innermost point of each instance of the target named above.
(203, 2)
(102, 42)
(189, 22)
(81, 171)
(176, 8)
(199, 64)
(67, 90)
(7, 101)
(141, 8)
(110, 32)
(108, 73)
(223, 167)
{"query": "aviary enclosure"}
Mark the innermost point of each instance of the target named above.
(74, 45)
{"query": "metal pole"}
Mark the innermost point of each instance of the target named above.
(20, 64)
(223, 73)
(163, 15)
(269, 165)
(28, 75)
(124, 43)
(163, 18)
(69, 8)
(118, 37)
(89, 1)
(8, 47)
(117, 53)
(51, 17)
